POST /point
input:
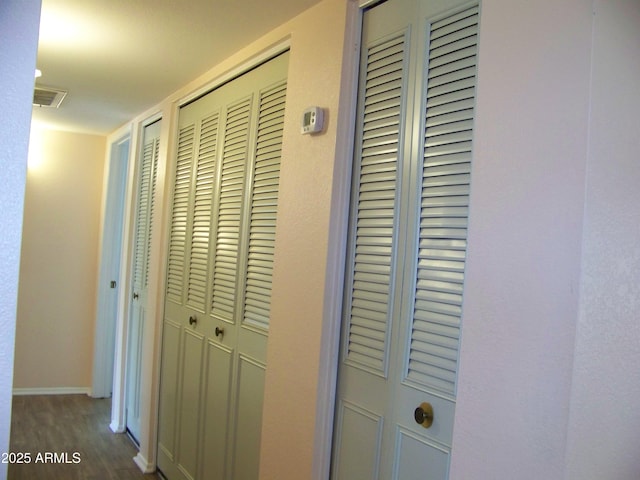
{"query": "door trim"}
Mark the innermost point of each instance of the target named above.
(338, 233)
(232, 73)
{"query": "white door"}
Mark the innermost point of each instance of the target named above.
(218, 288)
(405, 271)
(144, 218)
(104, 345)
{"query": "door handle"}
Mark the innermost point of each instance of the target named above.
(193, 320)
(219, 332)
(423, 415)
(135, 296)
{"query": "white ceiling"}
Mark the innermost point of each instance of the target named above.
(117, 58)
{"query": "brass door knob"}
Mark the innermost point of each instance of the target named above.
(423, 415)
(193, 320)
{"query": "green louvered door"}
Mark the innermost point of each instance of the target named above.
(220, 262)
(145, 207)
(407, 245)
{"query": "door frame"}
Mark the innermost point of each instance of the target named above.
(111, 244)
(118, 400)
(133, 349)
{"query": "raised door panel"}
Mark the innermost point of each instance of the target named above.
(416, 456)
(189, 402)
(216, 418)
(248, 418)
(134, 367)
(171, 341)
(359, 448)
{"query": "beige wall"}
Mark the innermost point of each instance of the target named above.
(294, 418)
(58, 271)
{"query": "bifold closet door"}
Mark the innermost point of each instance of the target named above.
(218, 289)
(407, 241)
(144, 218)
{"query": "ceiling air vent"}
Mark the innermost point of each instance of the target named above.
(48, 97)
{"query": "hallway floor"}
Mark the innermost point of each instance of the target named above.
(67, 437)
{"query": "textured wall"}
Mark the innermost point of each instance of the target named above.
(19, 28)
(525, 235)
(58, 271)
(290, 431)
(604, 431)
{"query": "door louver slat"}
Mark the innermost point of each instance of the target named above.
(202, 203)
(152, 207)
(177, 241)
(445, 198)
(370, 283)
(230, 196)
(264, 207)
(139, 268)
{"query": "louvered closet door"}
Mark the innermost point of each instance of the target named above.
(407, 245)
(145, 207)
(220, 262)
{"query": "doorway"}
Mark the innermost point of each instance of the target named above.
(110, 264)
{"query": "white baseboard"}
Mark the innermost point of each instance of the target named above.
(143, 464)
(117, 428)
(53, 391)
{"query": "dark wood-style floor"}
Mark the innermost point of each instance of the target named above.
(71, 428)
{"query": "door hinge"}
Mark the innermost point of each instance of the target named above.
(113, 284)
